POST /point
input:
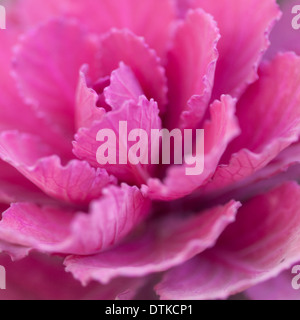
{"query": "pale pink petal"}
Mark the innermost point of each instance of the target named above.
(244, 26)
(123, 87)
(191, 68)
(140, 115)
(75, 182)
(62, 230)
(218, 133)
(284, 37)
(262, 243)
(278, 288)
(123, 46)
(14, 251)
(269, 125)
(135, 15)
(47, 69)
(168, 242)
(43, 278)
(86, 103)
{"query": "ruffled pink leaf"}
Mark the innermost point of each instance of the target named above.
(76, 182)
(28, 225)
(218, 133)
(11, 103)
(285, 167)
(190, 69)
(9, 98)
(131, 14)
(140, 115)
(47, 70)
(123, 87)
(134, 15)
(43, 278)
(15, 187)
(14, 251)
(123, 46)
(62, 230)
(245, 26)
(87, 110)
(13, 192)
(154, 250)
(270, 125)
(263, 242)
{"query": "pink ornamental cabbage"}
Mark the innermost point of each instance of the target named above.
(71, 68)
